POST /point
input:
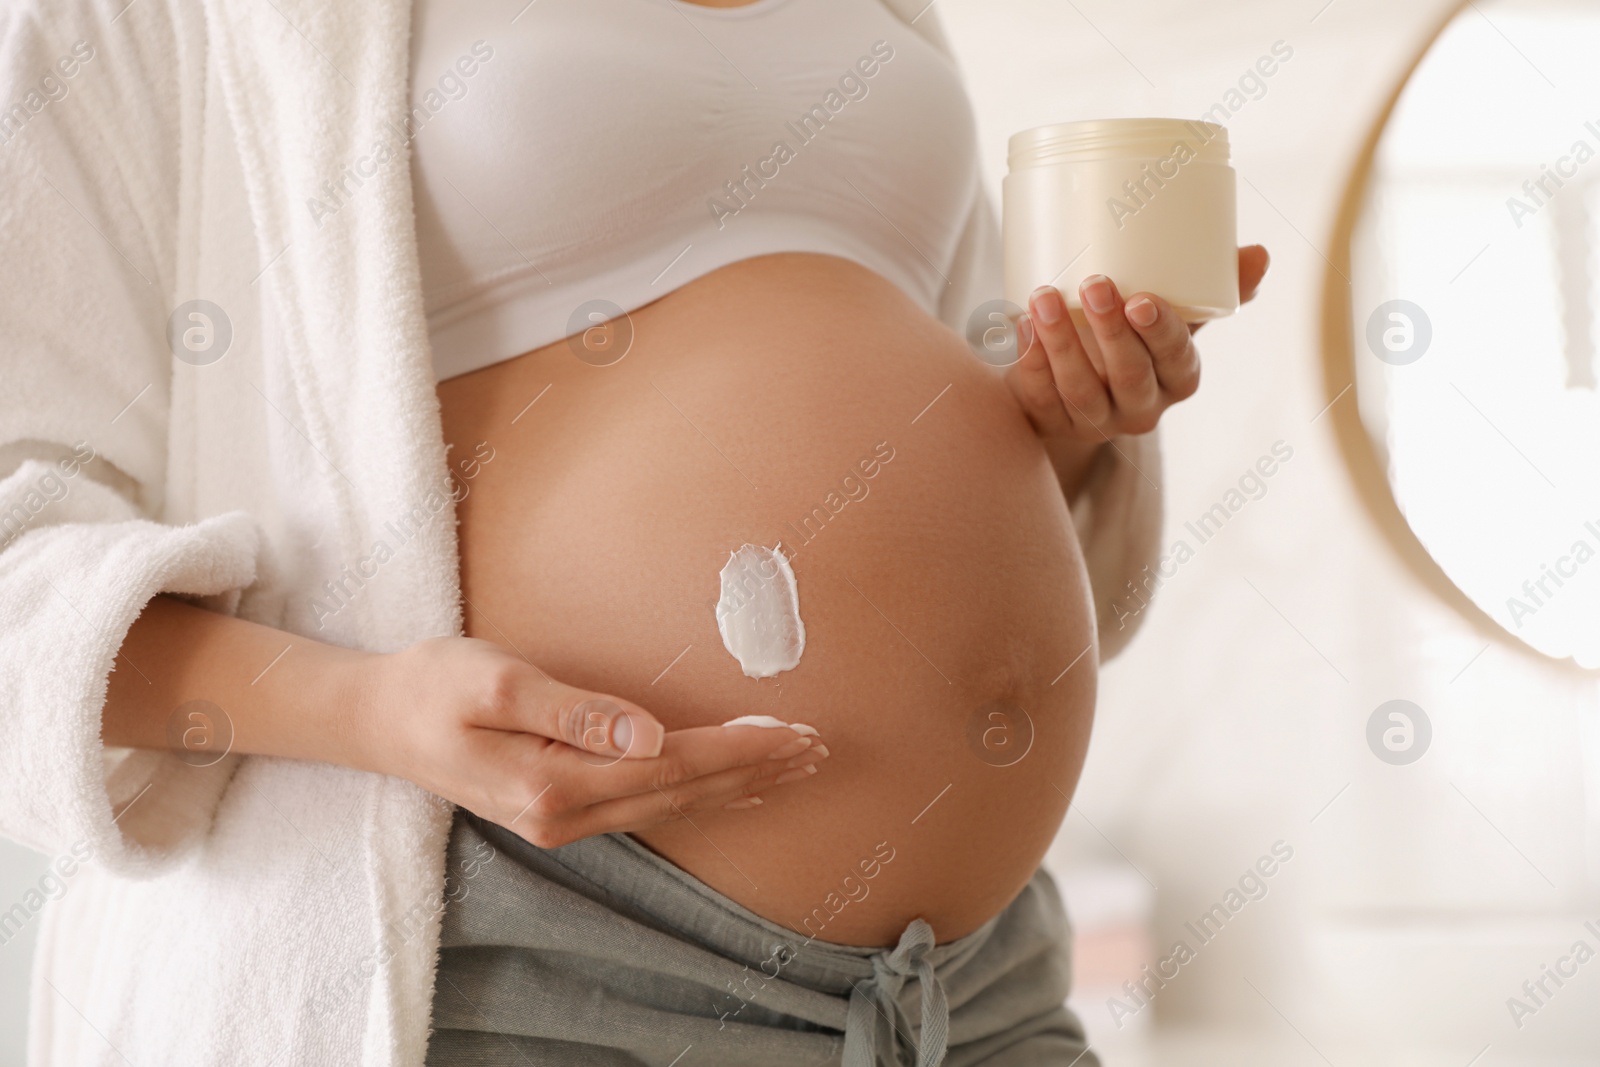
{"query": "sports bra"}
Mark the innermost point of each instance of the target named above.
(600, 153)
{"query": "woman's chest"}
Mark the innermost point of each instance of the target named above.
(583, 131)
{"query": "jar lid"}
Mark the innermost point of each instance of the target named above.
(1076, 142)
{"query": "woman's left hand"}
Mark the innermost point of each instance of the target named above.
(1134, 360)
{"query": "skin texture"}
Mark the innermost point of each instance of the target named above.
(592, 540)
(948, 581)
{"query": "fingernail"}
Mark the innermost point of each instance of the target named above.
(638, 736)
(1099, 294)
(790, 748)
(743, 803)
(1024, 334)
(806, 759)
(1047, 304)
(796, 775)
(1143, 312)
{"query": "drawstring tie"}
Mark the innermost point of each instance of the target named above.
(878, 1000)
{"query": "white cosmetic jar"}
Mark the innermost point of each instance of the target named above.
(1149, 203)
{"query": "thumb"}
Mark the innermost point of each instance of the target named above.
(595, 722)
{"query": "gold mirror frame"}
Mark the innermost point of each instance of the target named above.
(1362, 461)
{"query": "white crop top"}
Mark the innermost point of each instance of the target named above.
(614, 150)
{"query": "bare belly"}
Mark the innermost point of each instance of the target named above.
(943, 595)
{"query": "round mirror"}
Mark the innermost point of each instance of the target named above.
(1464, 319)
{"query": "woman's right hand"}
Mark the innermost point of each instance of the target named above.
(472, 723)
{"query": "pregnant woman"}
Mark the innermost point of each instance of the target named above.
(433, 425)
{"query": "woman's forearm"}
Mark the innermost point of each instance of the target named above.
(463, 718)
(284, 695)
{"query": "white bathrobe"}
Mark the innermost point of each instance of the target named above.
(153, 152)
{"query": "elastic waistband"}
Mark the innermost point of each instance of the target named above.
(633, 881)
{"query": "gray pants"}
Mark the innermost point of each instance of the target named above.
(601, 953)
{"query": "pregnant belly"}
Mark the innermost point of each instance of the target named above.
(801, 401)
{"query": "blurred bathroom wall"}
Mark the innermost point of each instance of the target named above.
(1419, 898)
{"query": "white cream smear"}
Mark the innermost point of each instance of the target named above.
(774, 722)
(759, 612)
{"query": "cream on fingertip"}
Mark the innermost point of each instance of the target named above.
(773, 722)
